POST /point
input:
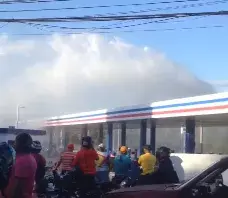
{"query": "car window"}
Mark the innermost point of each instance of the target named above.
(225, 177)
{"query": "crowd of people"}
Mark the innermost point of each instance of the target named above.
(95, 165)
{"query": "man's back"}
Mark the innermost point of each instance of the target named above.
(24, 170)
(166, 172)
(66, 160)
(147, 161)
(85, 159)
(122, 165)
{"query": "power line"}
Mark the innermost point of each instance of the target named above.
(96, 28)
(102, 6)
(4, 25)
(162, 9)
(124, 31)
(104, 28)
(31, 1)
(167, 8)
(128, 12)
(118, 25)
(115, 18)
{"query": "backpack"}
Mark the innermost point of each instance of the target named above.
(6, 163)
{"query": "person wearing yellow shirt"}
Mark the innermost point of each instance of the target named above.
(147, 162)
(102, 167)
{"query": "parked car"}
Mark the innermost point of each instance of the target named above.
(212, 182)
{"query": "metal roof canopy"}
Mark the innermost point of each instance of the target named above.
(202, 120)
(208, 110)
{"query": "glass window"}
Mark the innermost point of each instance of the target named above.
(57, 145)
(73, 135)
(96, 132)
(198, 145)
(116, 136)
(215, 140)
(170, 137)
(105, 134)
(133, 134)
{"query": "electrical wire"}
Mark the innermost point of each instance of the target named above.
(95, 28)
(115, 18)
(167, 8)
(92, 30)
(123, 31)
(31, 1)
(4, 25)
(128, 12)
(91, 7)
(167, 20)
(162, 9)
(115, 25)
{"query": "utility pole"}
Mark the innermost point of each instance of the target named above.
(19, 107)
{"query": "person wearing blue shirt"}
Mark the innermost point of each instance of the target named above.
(122, 163)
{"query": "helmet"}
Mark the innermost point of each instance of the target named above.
(36, 146)
(123, 149)
(101, 145)
(23, 143)
(163, 152)
(87, 142)
(70, 146)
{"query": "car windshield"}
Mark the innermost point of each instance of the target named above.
(199, 176)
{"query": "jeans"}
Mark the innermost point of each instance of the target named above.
(102, 177)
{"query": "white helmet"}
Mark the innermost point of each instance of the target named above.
(101, 145)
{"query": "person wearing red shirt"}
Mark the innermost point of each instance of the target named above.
(23, 172)
(85, 160)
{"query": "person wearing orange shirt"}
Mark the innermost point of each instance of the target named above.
(85, 160)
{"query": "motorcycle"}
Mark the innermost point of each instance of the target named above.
(67, 185)
(45, 186)
(128, 182)
(121, 181)
(55, 185)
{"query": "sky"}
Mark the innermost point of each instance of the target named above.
(59, 74)
(202, 51)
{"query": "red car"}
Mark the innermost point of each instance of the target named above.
(211, 183)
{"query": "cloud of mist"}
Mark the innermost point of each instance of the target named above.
(67, 74)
